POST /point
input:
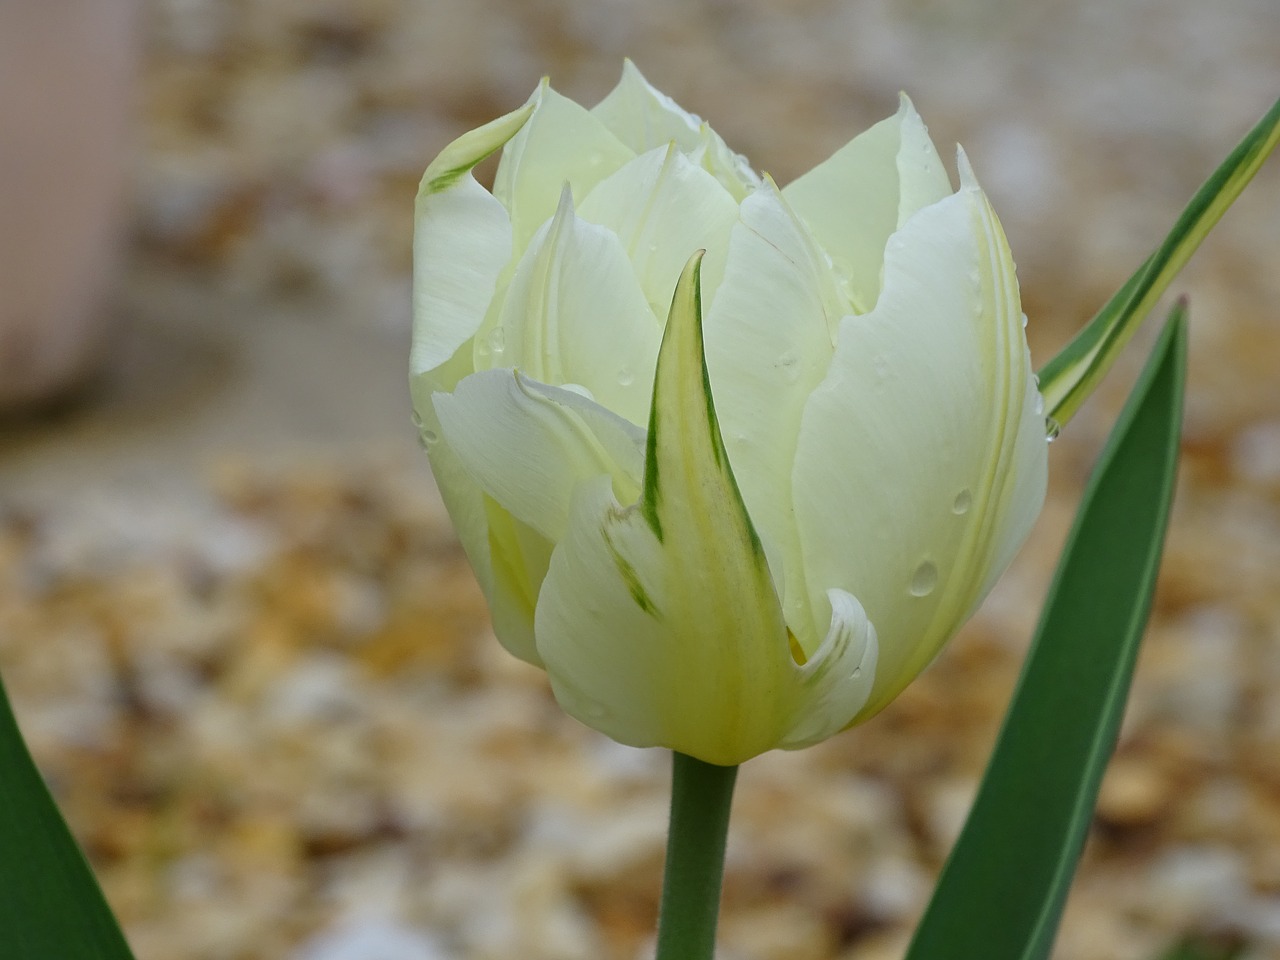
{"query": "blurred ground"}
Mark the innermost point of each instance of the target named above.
(246, 649)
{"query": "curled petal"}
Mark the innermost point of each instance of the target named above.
(461, 242)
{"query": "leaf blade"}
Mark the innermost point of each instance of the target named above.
(1001, 893)
(52, 905)
(1067, 380)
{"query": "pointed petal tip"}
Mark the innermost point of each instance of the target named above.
(968, 179)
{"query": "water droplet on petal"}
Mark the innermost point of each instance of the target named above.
(428, 438)
(497, 339)
(626, 377)
(924, 579)
(1039, 405)
(579, 389)
(1051, 429)
(964, 500)
(1024, 326)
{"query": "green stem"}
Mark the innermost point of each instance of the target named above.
(701, 794)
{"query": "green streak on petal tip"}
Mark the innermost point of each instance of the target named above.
(686, 312)
(472, 148)
(632, 579)
(1069, 378)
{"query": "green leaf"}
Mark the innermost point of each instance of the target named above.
(1068, 379)
(1204, 947)
(1001, 893)
(50, 905)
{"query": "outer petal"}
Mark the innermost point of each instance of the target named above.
(867, 190)
(561, 143)
(933, 389)
(643, 117)
(658, 623)
(461, 241)
(518, 449)
(770, 338)
(664, 208)
(528, 445)
(575, 314)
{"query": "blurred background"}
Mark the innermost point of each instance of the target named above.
(240, 636)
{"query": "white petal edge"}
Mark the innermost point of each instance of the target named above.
(662, 208)
(865, 191)
(528, 445)
(644, 117)
(575, 314)
(561, 143)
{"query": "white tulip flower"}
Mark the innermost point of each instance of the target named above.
(730, 501)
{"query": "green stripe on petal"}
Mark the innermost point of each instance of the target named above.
(461, 242)
(659, 623)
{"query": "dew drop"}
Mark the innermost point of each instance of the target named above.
(924, 579)
(857, 672)
(626, 377)
(962, 503)
(1024, 326)
(1051, 429)
(428, 438)
(579, 389)
(497, 339)
(1039, 405)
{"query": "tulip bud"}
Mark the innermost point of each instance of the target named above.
(731, 462)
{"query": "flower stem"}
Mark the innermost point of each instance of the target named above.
(701, 794)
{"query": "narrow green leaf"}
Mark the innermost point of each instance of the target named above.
(1203, 947)
(50, 904)
(1001, 893)
(1068, 379)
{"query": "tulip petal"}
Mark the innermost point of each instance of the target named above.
(528, 445)
(513, 451)
(643, 117)
(561, 143)
(840, 675)
(865, 191)
(658, 622)
(461, 241)
(933, 389)
(770, 336)
(575, 314)
(663, 208)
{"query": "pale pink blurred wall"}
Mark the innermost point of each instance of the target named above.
(66, 80)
